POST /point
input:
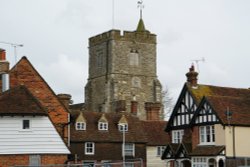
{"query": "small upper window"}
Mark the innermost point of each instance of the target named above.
(160, 150)
(103, 126)
(133, 58)
(123, 127)
(80, 126)
(90, 148)
(207, 135)
(177, 136)
(26, 124)
(129, 149)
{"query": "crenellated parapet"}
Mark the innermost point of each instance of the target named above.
(142, 37)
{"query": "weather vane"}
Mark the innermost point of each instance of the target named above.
(141, 6)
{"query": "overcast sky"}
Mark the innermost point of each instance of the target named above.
(55, 36)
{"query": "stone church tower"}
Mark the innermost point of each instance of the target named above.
(122, 73)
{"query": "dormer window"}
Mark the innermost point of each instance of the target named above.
(123, 127)
(80, 126)
(80, 122)
(103, 123)
(102, 126)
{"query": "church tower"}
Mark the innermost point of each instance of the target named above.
(122, 72)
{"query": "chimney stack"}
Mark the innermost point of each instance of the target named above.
(120, 106)
(192, 76)
(153, 111)
(65, 99)
(134, 107)
(4, 69)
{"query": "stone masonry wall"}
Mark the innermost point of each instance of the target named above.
(114, 75)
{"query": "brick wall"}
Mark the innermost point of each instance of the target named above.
(12, 160)
(195, 137)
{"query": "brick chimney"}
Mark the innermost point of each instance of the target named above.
(65, 99)
(120, 106)
(134, 107)
(192, 77)
(153, 111)
(4, 69)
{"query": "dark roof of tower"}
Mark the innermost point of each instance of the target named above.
(141, 26)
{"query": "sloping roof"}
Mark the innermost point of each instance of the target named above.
(171, 149)
(19, 101)
(239, 106)
(209, 90)
(207, 150)
(134, 134)
(23, 73)
(155, 133)
(236, 100)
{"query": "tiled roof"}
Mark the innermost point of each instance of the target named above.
(209, 90)
(155, 133)
(207, 150)
(19, 101)
(134, 134)
(23, 73)
(238, 106)
(236, 100)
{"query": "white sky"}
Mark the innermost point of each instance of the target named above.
(55, 36)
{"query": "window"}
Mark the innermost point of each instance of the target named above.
(99, 59)
(34, 160)
(123, 127)
(26, 124)
(103, 126)
(133, 58)
(207, 135)
(88, 164)
(129, 164)
(129, 149)
(80, 126)
(177, 136)
(199, 162)
(89, 148)
(160, 150)
(136, 82)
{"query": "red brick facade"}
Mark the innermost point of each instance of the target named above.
(10, 160)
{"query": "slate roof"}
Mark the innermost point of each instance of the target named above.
(207, 150)
(156, 135)
(19, 101)
(134, 134)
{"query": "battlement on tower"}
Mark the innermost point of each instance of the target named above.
(143, 37)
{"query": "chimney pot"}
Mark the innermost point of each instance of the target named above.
(134, 107)
(2, 54)
(65, 99)
(192, 76)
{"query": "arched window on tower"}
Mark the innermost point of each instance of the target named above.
(133, 57)
(136, 82)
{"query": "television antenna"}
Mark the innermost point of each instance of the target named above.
(15, 46)
(197, 62)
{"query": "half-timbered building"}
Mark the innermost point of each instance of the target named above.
(208, 126)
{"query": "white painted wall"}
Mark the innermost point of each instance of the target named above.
(42, 138)
(152, 159)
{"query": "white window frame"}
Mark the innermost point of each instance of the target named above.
(207, 135)
(160, 150)
(177, 136)
(123, 127)
(103, 126)
(80, 126)
(89, 148)
(199, 162)
(129, 149)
